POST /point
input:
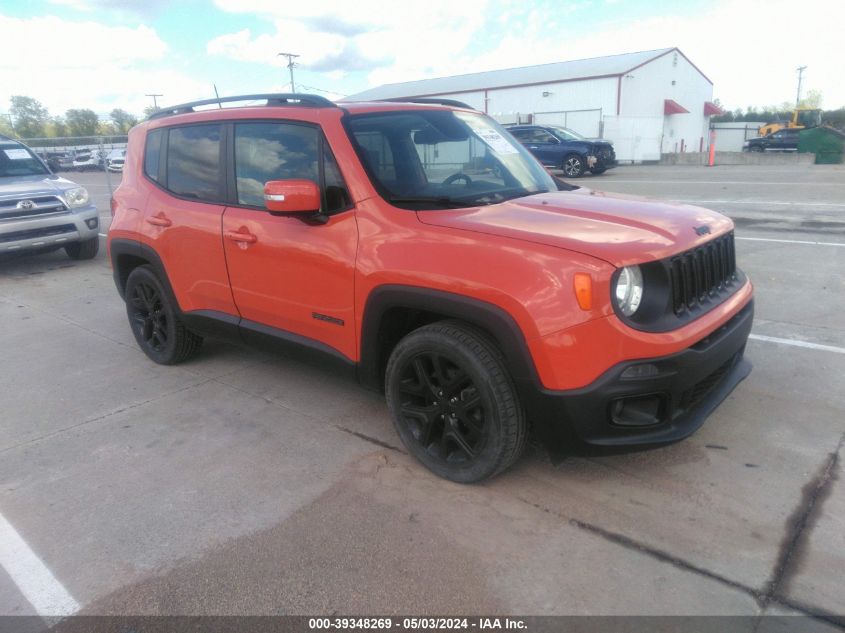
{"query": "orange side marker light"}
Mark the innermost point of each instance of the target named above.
(584, 290)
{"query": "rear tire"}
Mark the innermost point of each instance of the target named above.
(755, 148)
(598, 170)
(453, 402)
(154, 320)
(83, 250)
(573, 166)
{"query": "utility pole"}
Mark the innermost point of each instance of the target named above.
(155, 103)
(800, 70)
(291, 64)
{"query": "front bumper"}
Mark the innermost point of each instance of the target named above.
(662, 403)
(55, 229)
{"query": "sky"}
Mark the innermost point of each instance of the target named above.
(105, 54)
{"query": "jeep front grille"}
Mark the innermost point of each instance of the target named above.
(698, 274)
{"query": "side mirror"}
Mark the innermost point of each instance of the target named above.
(292, 196)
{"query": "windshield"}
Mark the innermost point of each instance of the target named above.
(444, 159)
(566, 134)
(17, 160)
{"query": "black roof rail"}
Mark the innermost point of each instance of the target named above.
(431, 100)
(278, 99)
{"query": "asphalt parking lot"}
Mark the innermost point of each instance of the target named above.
(244, 483)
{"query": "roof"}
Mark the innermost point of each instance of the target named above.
(594, 67)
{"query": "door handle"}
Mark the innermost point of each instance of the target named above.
(159, 220)
(243, 236)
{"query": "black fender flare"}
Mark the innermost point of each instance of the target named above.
(120, 248)
(490, 317)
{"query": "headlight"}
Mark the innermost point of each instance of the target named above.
(629, 289)
(76, 197)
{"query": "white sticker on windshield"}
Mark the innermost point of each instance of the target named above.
(17, 154)
(496, 141)
(489, 135)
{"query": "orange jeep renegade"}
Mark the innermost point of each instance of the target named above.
(421, 246)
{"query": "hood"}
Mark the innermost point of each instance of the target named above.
(30, 186)
(619, 229)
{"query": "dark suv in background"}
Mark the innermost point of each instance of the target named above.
(561, 148)
(785, 140)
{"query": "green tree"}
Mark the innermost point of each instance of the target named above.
(6, 126)
(56, 127)
(123, 121)
(107, 128)
(149, 111)
(29, 115)
(82, 122)
(812, 100)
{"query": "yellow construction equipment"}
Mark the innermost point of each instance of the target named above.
(801, 118)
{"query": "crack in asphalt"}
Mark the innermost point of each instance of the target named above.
(763, 599)
(812, 497)
(372, 440)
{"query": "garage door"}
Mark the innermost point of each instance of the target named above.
(586, 122)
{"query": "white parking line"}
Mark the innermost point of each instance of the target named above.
(35, 581)
(795, 343)
(771, 239)
(726, 182)
(102, 234)
(762, 203)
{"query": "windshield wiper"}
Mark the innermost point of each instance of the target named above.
(442, 201)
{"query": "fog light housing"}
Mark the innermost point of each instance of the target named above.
(647, 410)
(92, 223)
(645, 370)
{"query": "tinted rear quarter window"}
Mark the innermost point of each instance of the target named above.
(193, 162)
(152, 152)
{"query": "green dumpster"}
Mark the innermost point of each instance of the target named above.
(826, 143)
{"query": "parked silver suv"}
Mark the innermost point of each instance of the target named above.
(42, 211)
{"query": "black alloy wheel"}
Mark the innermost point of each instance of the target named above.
(148, 316)
(160, 333)
(442, 407)
(453, 402)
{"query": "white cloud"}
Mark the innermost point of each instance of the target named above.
(748, 48)
(749, 57)
(91, 65)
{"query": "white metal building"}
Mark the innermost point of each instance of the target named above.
(646, 103)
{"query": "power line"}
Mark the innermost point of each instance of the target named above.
(328, 92)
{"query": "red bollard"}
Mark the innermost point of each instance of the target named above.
(712, 148)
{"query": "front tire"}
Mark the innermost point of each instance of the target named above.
(453, 402)
(573, 165)
(83, 250)
(154, 321)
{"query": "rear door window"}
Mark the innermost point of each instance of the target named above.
(193, 162)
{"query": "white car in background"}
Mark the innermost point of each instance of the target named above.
(115, 160)
(87, 160)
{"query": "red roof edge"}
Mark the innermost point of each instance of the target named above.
(673, 107)
(711, 109)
